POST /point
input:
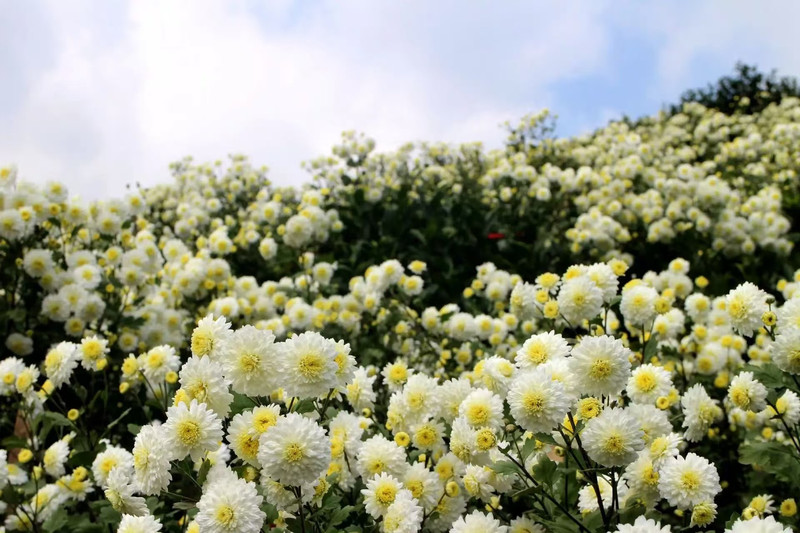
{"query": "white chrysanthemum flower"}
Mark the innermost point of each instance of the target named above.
(481, 408)
(202, 379)
(230, 505)
(424, 485)
(10, 368)
(745, 305)
(396, 374)
(55, 458)
(378, 455)
(642, 478)
(59, 363)
(653, 422)
(419, 397)
(120, 493)
(243, 437)
(613, 438)
(758, 525)
(638, 305)
(111, 459)
(159, 361)
(523, 300)
(688, 481)
(307, 364)
(537, 402)
(452, 392)
(19, 344)
(91, 351)
(664, 447)
(540, 349)
(404, 515)
(699, 412)
(477, 522)
(380, 493)
(138, 524)
(788, 407)
(643, 525)
(209, 337)
(151, 466)
(191, 430)
(579, 299)
(600, 366)
(448, 511)
(497, 373)
(476, 481)
(647, 383)
(295, 450)
(747, 393)
(786, 350)
(248, 360)
(359, 391)
(587, 497)
(603, 276)
(525, 525)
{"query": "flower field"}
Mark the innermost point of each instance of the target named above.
(588, 334)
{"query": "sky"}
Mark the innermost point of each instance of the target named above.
(100, 94)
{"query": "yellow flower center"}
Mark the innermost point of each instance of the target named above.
(264, 420)
(202, 343)
(485, 439)
(477, 414)
(197, 390)
(311, 365)
(107, 464)
(225, 515)
(650, 476)
(534, 403)
(249, 362)
(690, 480)
(645, 381)
(188, 432)
(425, 436)
(416, 487)
(293, 453)
(385, 494)
(398, 373)
(614, 444)
(537, 353)
(601, 368)
(155, 359)
(249, 445)
(737, 309)
(740, 397)
(92, 349)
(140, 459)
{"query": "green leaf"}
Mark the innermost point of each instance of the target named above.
(774, 458)
(769, 375)
(505, 467)
(184, 506)
(339, 516)
(58, 521)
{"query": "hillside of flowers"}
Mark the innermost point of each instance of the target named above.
(590, 334)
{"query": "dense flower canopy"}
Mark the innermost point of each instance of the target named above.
(599, 333)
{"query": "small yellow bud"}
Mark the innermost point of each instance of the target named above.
(24, 456)
(124, 386)
(73, 414)
(402, 439)
(171, 377)
(452, 489)
(788, 507)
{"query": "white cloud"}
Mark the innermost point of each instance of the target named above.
(279, 82)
